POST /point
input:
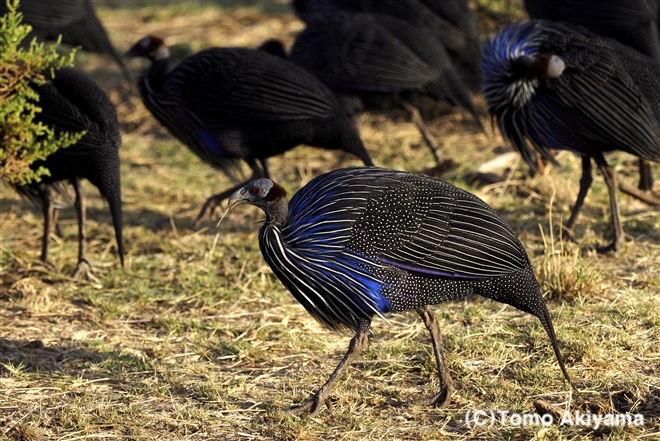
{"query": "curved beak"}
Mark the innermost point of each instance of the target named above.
(240, 197)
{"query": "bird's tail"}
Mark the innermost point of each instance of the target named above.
(350, 142)
(114, 201)
(110, 189)
(449, 87)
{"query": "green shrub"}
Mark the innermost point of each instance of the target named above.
(22, 140)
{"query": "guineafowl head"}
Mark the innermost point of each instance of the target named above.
(514, 65)
(150, 47)
(265, 194)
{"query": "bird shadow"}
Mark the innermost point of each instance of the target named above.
(37, 357)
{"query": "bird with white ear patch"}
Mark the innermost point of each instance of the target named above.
(551, 86)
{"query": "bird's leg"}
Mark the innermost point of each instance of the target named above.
(358, 344)
(645, 175)
(214, 201)
(423, 128)
(56, 226)
(47, 210)
(618, 234)
(82, 269)
(446, 384)
(585, 183)
(264, 169)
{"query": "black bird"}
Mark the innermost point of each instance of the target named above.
(74, 20)
(468, 60)
(553, 87)
(365, 241)
(451, 22)
(631, 22)
(227, 104)
(72, 102)
(372, 69)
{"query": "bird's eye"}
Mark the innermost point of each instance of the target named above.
(256, 190)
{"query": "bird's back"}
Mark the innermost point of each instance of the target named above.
(360, 57)
(631, 22)
(74, 20)
(72, 102)
(411, 11)
(243, 84)
(596, 15)
(355, 51)
(44, 15)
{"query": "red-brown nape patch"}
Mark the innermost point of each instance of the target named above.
(541, 65)
(155, 42)
(275, 193)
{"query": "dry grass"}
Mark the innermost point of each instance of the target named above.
(196, 339)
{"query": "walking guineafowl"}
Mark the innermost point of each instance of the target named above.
(227, 104)
(552, 87)
(74, 20)
(365, 241)
(452, 24)
(72, 102)
(631, 22)
(372, 69)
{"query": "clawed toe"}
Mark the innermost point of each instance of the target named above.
(568, 235)
(312, 406)
(48, 265)
(611, 248)
(440, 400)
(82, 271)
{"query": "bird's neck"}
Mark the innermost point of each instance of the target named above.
(276, 212)
(156, 74)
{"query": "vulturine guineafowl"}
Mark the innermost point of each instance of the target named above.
(365, 241)
(631, 22)
(372, 69)
(229, 104)
(72, 102)
(553, 87)
(74, 20)
(450, 22)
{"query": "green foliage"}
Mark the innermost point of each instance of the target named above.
(22, 140)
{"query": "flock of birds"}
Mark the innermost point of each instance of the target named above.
(366, 241)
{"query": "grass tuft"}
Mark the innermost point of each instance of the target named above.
(562, 271)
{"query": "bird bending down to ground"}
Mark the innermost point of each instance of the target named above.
(553, 87)
(72, 102)
(631, 22)
(365, 241)
(74, 20)
(372, 68)
(227, 104)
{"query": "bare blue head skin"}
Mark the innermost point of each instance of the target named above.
(253, 193)
(265, 194)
